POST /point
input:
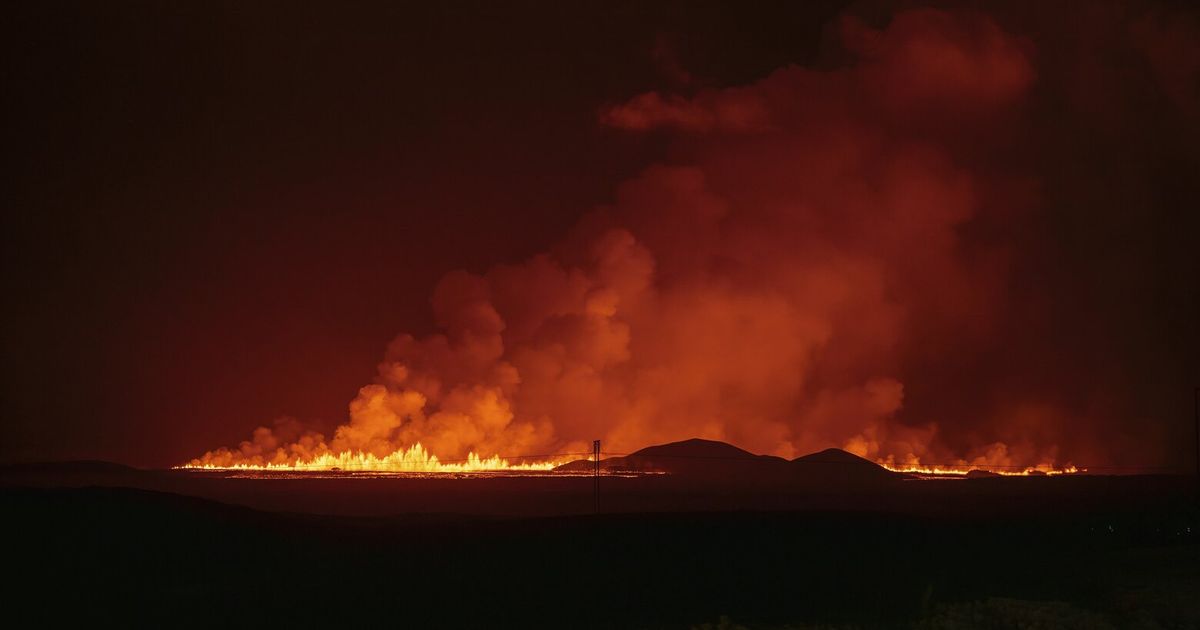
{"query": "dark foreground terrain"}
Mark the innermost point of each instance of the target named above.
(108, 545)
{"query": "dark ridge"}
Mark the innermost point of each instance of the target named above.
(836, 456)
(83, 466)
(981, 474)
(829, 469)
(836, 465)
(696, 447)
(583, 465)
(674, 457)
(72, 474)
(694, 457)
(709, 458)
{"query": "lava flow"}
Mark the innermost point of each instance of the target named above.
(413, 459)
(961, 470)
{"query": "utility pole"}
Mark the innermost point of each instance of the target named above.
(596, 472)
(1196, 403)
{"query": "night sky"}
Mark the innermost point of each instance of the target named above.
(222, 213)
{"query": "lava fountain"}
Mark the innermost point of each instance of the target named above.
(412, 459)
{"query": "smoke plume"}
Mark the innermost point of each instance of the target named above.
(859, 256)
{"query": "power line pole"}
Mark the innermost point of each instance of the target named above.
(596, 472)
(1196, 404)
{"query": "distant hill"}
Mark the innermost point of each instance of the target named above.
(836, 464)
(718, 460)
(703, 458)
(68, 473)
(87, 466)
(981, 474)
(834, 456)
(698, 448)
(688, 457)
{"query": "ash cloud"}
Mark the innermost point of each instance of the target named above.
(868, 256)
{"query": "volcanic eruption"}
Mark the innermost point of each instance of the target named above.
(826, 259)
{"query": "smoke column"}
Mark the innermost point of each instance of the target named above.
(862, 256)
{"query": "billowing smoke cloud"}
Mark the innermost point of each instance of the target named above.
(831, 258)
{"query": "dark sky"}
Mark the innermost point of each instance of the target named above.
(221, 213)
(224, 211)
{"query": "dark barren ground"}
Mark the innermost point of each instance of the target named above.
(715, 545)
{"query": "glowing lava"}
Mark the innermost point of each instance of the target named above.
(963, 469)
(413, 459)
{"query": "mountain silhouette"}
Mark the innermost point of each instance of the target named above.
(976, 473)
(69, 473)
(79, 466)
(834, 464)
(711, 459)
(687, 457)
(698, 448)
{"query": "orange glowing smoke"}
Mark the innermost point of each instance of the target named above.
(778, 287)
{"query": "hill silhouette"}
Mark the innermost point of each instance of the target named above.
(89, 466)
(836, 465)
(698, 448)
(712, 459)
(981, 474)
(687, 457)
(709, 459)
(69, 473)
(835, 456)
